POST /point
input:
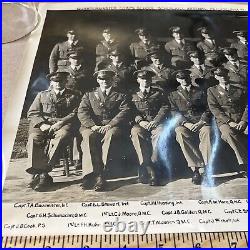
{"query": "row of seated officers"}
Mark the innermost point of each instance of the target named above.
(106, 114)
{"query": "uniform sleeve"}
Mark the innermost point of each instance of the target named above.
(216, 109)
(245, 115)
(85, 113)
(124, 112)
(164, 110)
(99, 50)
(167, 48)
(35, 112)
(174, 109)
(132, 49)
(54, 57)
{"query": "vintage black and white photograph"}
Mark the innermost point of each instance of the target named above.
(134, 104)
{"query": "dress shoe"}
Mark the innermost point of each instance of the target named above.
(34, 181)
(100, 184)
(45, 181)
(152, 177)
(196, 179)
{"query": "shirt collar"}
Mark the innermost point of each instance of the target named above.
(107, 91)
(76, 67)
(187, 88)
(147, 90)
(61, 92)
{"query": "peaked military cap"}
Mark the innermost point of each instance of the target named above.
(240, 33)
(229, 51)
(144, 74)
(75, 54)
(142, 31)
(181, 74)
(71, 31)
(203, 30)
(57, 76)
(193, 53)
(175, 29)
(220, 71)
(115, 52)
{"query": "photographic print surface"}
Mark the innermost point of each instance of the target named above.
(132, 104)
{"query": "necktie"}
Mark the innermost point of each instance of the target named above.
(104, 94)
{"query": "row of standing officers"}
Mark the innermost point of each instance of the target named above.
(117, 108)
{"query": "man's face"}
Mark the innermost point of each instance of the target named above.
(206, 35)
(232, 57)
(196, 60)
(72, 37)
(74, 61)
(177, 35)
(115, 58)
(185, 82)
(144, 82)
(108, 36)
(144, 38)
(156, 60)
(104, 83)
(58, 85)
(221, 79)
(242, 38)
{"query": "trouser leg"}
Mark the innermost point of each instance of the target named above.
(110, 143)
(188, 146)
(91, 152)
(142, 144)
(237, 141)
(77, 151)
(58, 143)
(155, 134)
(205, 143)
(37, 157)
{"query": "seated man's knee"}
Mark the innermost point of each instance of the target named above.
(180, 130)
(136, 130)
(226, 131)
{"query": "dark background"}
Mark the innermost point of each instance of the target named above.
(90, 23)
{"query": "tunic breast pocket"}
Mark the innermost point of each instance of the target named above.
(48, 107)
(63, 53)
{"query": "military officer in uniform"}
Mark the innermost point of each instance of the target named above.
(198, 70)
(104, 115)
(191, 103)
(58, 60)
(79, 74)
(123, 71)
(52, 118)
(162, 72)
(228, 103)
(241, 44)
(108, 44)
(150, 111)
(178, 48)
(238, 69)
(208, 46)
(139, 50)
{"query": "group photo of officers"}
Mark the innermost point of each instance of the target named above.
(130, 93)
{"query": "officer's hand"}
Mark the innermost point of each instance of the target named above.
(45, 127)
(104, 129)
(188, 125)
(197, 126)
(144, 124)
(241, 126)
(151, 125)
(232, 124)
(95, 128)
(56, 126)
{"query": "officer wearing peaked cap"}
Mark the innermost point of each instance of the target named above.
(105, 46)
(104, 115)
(52, 117)
(241, 44)
(163, 73)
(199, 70)
(139, 50)
(208, 45)
(193, 132)
(150, 111)
(79, 73)
(228, 103)
(238, 69)
(178, 47)
(58, 60)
